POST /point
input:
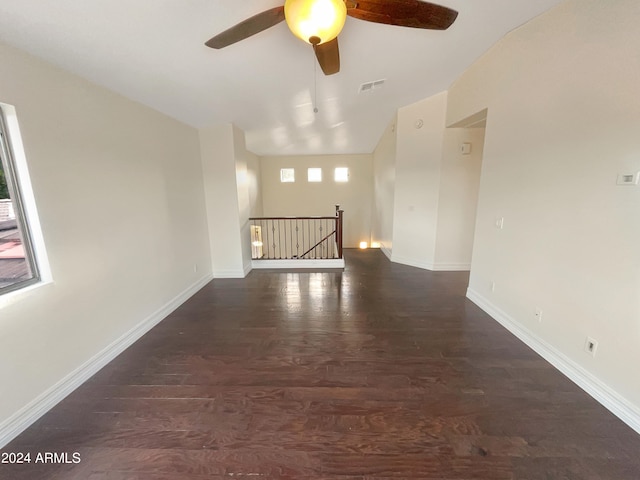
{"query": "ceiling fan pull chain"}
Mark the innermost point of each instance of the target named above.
(315, 83)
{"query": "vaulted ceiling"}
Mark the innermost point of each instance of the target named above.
(153, 52)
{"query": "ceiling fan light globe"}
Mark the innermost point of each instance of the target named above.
(323, 19)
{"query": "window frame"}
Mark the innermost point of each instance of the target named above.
(7, 157)
(293, 179)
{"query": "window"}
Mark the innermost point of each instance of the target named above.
(17, 262)
(341, 174)
(287, 175)
(314, 174)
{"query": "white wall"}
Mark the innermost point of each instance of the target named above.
(563, 121)
(254, 184)
(247, 191)
(221, 194)
(425, 190)
(459, 184)
(384, 178)
(417, 181)
(119, 191)
(303, 198)
(228, 193)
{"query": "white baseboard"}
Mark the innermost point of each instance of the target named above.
(435, 267)
(412, 262)
(451, 267)
(229, 273)
(247, 269)
(298, 264)
(386, 251)
(605, 395)
(27, 415)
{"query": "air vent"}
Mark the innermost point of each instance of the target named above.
(371, 86)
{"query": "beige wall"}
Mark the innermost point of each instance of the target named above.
(425, 190)
(303, 198)
(231, 193)
(563, 102)
(247, 193)
(120, 198)
(384, 179)
(420, 133)
(219, 174)
(459, 184)
(254, 184)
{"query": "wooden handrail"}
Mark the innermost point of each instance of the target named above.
(292, 218)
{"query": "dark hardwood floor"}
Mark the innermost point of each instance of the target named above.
(378, 372)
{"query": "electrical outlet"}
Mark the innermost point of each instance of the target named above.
(500, 223)
(590, 346)
(538, 314)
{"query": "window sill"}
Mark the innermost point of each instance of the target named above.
(10, 298)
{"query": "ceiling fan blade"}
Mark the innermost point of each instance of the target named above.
(328, 56)
(247, 28)
(404, 13)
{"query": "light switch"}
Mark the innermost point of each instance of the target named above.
(465, 148)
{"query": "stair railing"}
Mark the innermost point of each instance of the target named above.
(297, 238)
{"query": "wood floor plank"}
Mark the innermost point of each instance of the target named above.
(379, 372)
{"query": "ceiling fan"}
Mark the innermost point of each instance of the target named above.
(319, 22)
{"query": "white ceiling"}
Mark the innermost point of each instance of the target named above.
(152, 51)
